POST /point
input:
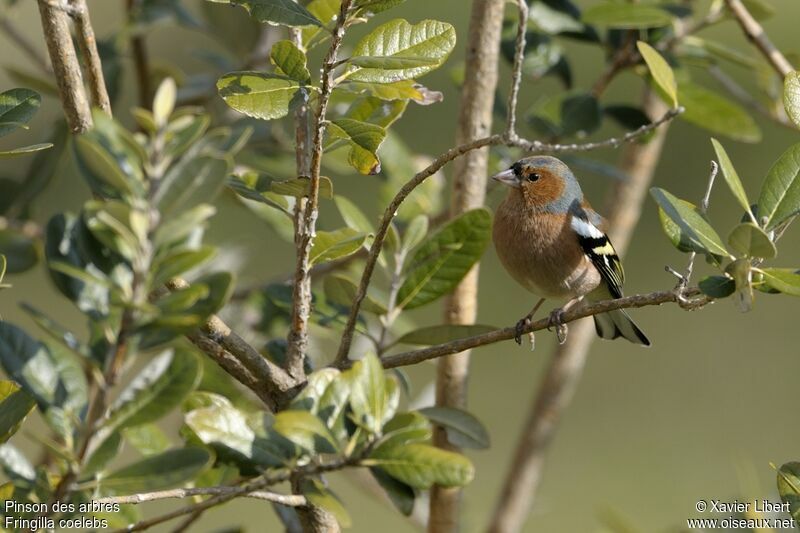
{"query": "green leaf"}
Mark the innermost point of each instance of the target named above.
(364, 139)
(717, 286)
(780, 193)
(179, 262)
(32, 365)
(791, 96)
(751, 241)
(399, 90)
(626, 16)
(690, 227)
(731, 176)
(428, 40)
(463, 428)
(760, 9)
(415, 232)
(177, 228)
(15, 465)
(330, 245)
(21, 251)
(353, 216)
(189, 184)
(258, 94)
(300, 187)
(376, 111)
(369, 396)
(430, 335)
(367, 8)
(660, 70)
(317, 383)
(391, 62)
(15, 404)
(157, 472)
(789, 487)
(580, 114)
(110, 159)
(785, 280)
(17, 107)
(226, 429)
(156, 390)
(164, 102)
(421, 465)
(342, 291)
(316, 493)
(717, 114)
(25, 150)
(306, 430)
(277, 12)
(444, 258)
(102, 455)
(148, 439)
(290, 61)
(405, 428)
(401, 494)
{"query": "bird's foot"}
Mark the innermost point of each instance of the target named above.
(557, 321)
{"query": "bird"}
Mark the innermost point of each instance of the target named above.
(553, 243)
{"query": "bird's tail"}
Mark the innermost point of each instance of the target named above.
(618, 324)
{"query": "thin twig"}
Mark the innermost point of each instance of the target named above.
(687, 275)
(516, 79)
(629, 302)
(438, 163)
(291, 500)
(305, 232)
(66, 68)
(269, 381)
(753, 30)
(88, 47)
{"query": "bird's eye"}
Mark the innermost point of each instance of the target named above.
(533, 176)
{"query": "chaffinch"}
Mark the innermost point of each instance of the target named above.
(552, 243)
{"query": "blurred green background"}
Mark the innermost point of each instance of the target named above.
(700, 415)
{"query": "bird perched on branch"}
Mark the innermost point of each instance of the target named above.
(552, 243)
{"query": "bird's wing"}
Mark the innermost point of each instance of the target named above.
(598, 249)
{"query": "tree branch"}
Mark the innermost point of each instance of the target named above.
(503, 334)
(567, 362)
(753, 30)
(290, 500)
(305, 232)
(66, 68)
(269, 381)
(88, 47)
(438, 163)
(469, 192)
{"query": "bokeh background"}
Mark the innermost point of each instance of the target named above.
(700, 415)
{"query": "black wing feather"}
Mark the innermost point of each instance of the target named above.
(604, 257)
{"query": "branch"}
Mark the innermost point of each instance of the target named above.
(305, 232)
(290, 500)
(753, 30)
(269, 381)
(65, 67)
(568, 360)
(503, 334)
(469, 192)
(88, 47)
(438, 163)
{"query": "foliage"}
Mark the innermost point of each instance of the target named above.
(121, 258)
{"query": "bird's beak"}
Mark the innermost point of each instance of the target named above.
(507, 177)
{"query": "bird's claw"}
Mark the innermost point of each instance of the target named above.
(519, 329)
(557, 321)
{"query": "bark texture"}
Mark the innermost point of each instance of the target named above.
(469, 190)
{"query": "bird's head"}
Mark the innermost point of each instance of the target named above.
(543, 182)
